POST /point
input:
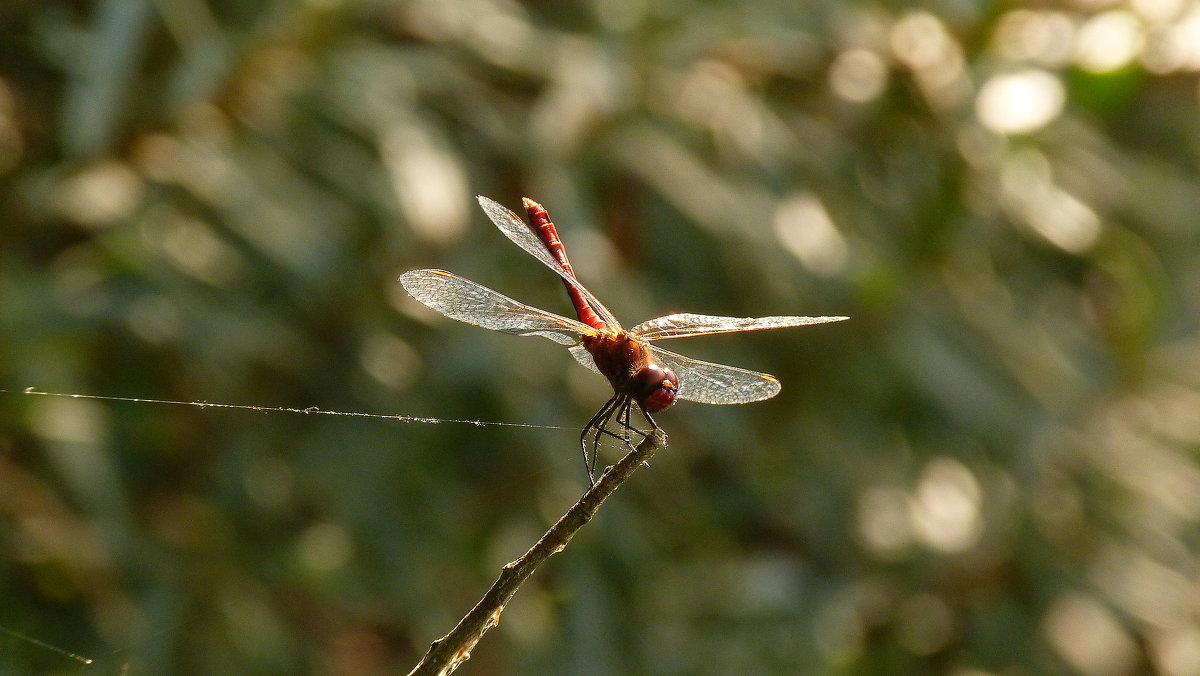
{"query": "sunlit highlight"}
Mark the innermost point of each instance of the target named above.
(429, 184)
(1176, 47)
(1176, 650)
(1031, 195)
(945, 509)
(325, 547)
(921, 42)
(107, 191)
(389, 360)
(1157, 10)
(806, 230)
(1039, 36)
(191, 246)
(883, 520)
(713, 94)
(1109, 41)
(1020, 102)
(1143, 587)
(858, 75)
(1088, 637)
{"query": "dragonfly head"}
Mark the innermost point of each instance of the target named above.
(654, 388)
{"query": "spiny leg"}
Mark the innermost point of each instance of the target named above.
(627, 423)
(619, 406)
(593, 427)
(653, 425)
(645, 435)
(623, 420)
(622, 412)
(598, 425)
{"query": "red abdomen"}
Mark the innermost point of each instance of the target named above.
(540, 221)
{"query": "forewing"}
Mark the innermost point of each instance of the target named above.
(523, 236)
(709, 383)
(687, 324)
(466, 301)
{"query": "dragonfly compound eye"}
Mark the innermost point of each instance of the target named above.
(654, 388)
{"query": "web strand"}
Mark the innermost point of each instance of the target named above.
(42, 644)
(311, 410)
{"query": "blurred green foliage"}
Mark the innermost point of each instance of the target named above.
(994, 467)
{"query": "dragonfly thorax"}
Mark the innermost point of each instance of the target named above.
(629, 366)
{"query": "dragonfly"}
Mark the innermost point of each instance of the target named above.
(640, 372)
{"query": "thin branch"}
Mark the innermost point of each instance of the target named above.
(448, 652)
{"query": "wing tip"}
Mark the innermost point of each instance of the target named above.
(772, 383)
(773, 386)
(488, 204)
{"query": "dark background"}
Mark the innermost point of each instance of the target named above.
(992, 468)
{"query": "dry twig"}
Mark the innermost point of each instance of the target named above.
(448, 652)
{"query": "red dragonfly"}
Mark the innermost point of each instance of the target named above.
(639, 372)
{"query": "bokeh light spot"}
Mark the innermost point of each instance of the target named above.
(858, 75)
(429, 184)
(325, 547)
(945, 509)
(1058, 216)
(1029, 35)
(1020, 102)
(389, 360)
(101, 194)
(1109, 41)
(1176, 651)
(883, 520)
(805, 228)
(1088, 637)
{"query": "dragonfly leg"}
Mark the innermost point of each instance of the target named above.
(653, 428)
(653, 425)
(597, 426)
(627, 424)
(623, 423)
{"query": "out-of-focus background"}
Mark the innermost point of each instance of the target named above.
(992, 468)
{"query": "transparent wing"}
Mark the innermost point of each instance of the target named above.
(466, 301)
(687, 324)
(584, 357)
(709, 383)
(523, 236)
